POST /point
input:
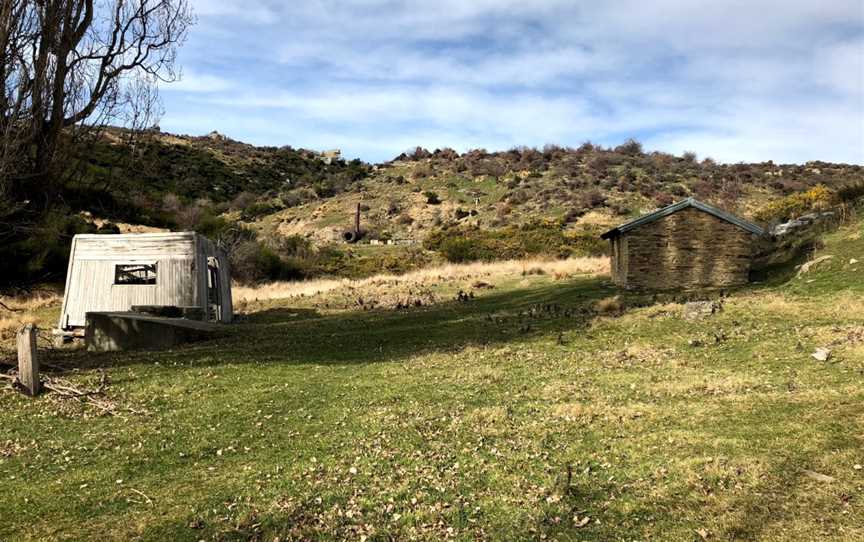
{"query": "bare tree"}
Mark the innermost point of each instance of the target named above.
(71, 64)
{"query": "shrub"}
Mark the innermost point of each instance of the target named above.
(704, 189)
(242, 200)
(295, 246)
(422, 171)
(663, 199)
(486, 166)
(458, 250)
(851, 192)
(518, 197)
(44, 251)
(818, 197)
(543, 238)
(619, 209)
(446, 154)
(678, 190)
(260, 208)
(631, 147)
(592, 198)
(253, 262)
(393, 207)
(573, 215)
(297, 196)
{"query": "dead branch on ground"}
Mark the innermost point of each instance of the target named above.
(92, 397)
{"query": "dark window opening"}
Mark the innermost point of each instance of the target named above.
(136, 273)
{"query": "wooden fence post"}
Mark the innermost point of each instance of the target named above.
(28, 362)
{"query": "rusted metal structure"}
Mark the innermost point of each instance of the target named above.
(354, 235)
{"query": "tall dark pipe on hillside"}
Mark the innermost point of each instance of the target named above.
(352, 236)
(357, 221)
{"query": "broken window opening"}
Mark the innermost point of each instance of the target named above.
(137, 273)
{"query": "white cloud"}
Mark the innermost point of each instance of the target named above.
(731, 79)
(191, 81)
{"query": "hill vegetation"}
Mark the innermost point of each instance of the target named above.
(281, 211)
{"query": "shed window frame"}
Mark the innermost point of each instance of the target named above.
(150, 270)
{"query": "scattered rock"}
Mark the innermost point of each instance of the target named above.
(819, 476)
(853, 261)
(805, 268)
(821, 354)
(697, 310)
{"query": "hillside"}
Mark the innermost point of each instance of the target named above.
(138, 173)
(295, 191)
(583, 189)
(282, 211)
(547, 405)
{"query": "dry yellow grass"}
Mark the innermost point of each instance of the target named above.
(451, 272)
(17, 311)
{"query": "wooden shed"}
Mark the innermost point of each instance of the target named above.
(688, 244)
(109, 273)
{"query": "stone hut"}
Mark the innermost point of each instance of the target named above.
(688, 244)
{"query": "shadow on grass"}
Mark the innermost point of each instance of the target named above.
(297, 336)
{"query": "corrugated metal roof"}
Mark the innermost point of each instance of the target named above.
(684, 204)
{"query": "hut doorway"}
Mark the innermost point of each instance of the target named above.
(214, 291)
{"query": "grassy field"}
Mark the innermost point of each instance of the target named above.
(539, 407)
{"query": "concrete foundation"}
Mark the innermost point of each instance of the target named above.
(116, 331)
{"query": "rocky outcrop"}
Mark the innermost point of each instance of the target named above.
(802, 222)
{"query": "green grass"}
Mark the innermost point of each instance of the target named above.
(463, 420)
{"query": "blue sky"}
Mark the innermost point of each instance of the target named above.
(738, 80)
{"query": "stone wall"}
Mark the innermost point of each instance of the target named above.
(687, 249)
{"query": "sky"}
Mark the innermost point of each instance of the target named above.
(734, 80)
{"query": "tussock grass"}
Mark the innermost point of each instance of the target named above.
(40, 307)
(561, 269)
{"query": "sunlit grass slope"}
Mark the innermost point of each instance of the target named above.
(526, 411)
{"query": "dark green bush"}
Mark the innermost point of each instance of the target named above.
(543, 238)
(460, 249)
(253, 262)
(851, 193)
(259, 209)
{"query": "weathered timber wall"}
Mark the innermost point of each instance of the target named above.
(687, 249)
(93, 288)
(619, 260)
(181, 274)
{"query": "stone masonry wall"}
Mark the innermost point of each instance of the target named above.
(687, 249)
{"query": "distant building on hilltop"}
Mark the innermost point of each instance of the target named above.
(688, 244)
